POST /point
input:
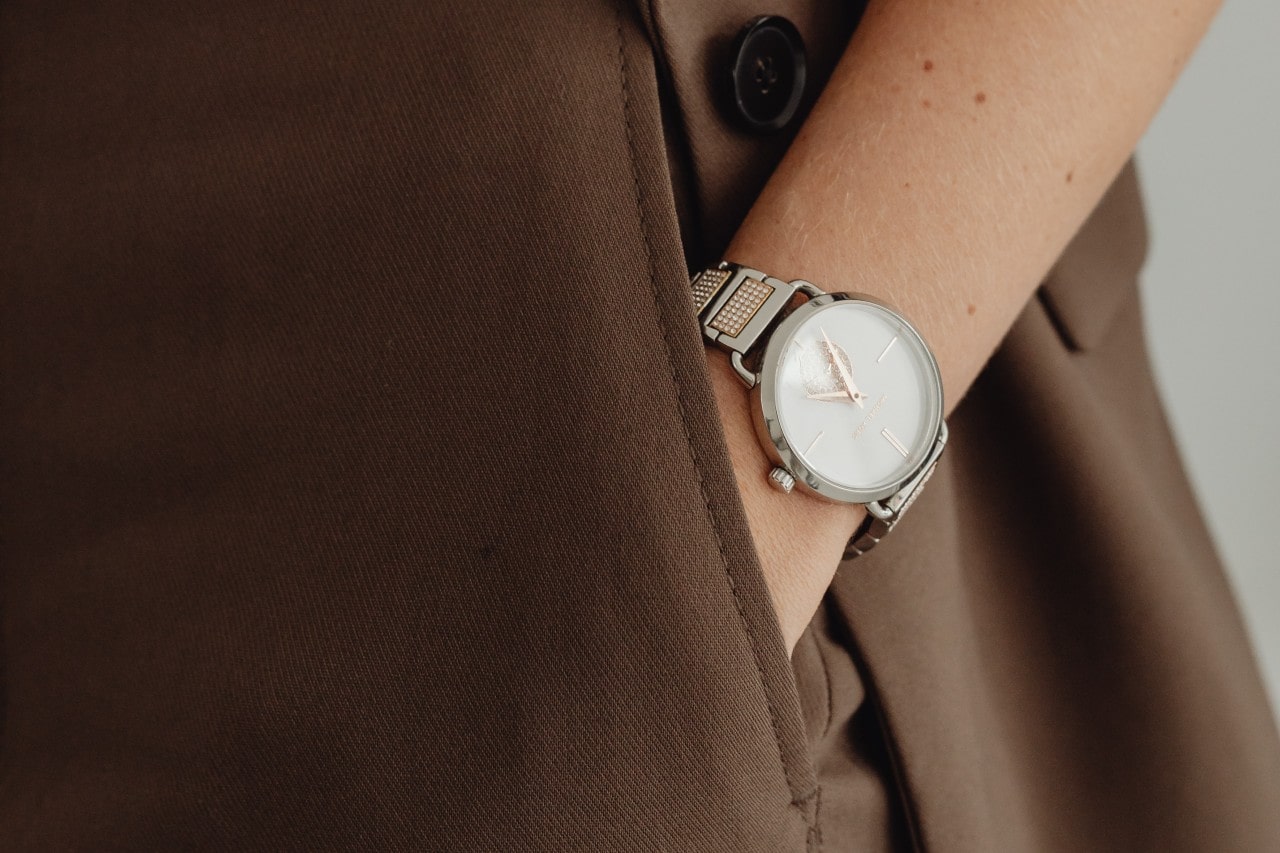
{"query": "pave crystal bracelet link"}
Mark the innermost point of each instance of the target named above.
(735, 305)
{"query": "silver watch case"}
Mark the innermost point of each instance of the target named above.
(896, 496)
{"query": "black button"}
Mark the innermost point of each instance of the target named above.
(768, 73)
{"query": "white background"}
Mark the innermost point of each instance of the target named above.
(1210, 166)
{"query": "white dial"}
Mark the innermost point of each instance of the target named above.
(853, 395)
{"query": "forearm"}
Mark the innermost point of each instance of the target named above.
(953, 153)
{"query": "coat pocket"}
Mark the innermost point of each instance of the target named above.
(727, 618)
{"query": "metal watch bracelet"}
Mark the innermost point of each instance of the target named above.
(736, 307)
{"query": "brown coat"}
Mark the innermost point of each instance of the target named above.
(363, 487)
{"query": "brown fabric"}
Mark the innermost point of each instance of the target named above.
(362, 487)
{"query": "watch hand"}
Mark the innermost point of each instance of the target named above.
(845, 376)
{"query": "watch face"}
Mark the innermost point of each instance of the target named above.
(850, 397)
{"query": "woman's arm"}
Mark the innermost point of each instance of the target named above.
(955, 150)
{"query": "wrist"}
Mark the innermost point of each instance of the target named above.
(799, 538)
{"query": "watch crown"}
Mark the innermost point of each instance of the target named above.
(781, 479)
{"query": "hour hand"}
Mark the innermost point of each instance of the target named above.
(857, 397)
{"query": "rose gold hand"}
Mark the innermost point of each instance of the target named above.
(845, 376)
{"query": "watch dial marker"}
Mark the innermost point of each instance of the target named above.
(886, 349)
(813, 443)
(893, 440)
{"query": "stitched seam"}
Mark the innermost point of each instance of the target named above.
(684, 418)
(817, 816)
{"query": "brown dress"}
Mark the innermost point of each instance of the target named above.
(361, 485)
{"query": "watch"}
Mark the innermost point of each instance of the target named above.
(846, 395)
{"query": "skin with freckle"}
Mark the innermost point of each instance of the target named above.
(988, 211)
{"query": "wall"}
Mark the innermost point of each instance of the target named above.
(1212, 295)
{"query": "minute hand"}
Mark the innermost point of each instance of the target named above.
(845, 376)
